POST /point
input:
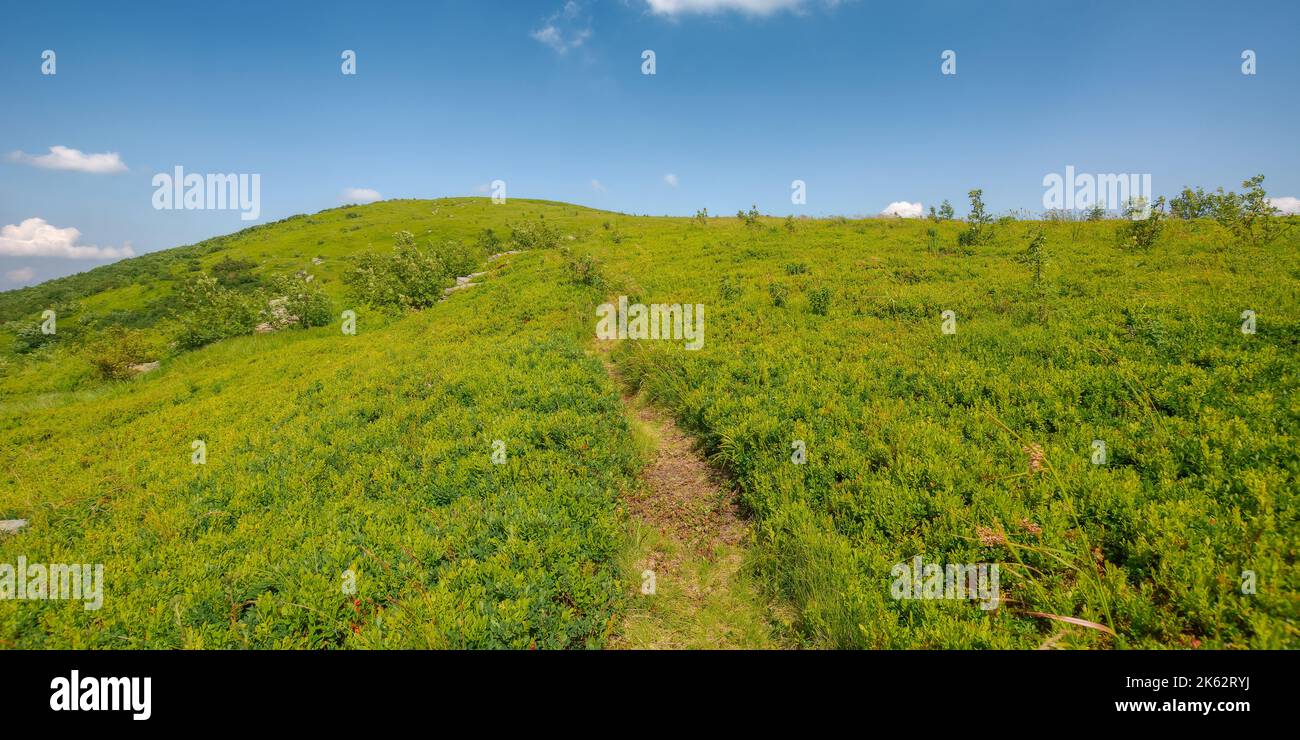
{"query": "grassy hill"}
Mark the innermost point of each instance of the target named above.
(372, 453)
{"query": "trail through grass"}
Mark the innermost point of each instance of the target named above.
(687, 533)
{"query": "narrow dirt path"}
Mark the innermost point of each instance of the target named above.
(689, 542)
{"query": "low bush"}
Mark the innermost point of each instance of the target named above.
(116, 349)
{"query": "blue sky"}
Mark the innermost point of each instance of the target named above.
(748, 95)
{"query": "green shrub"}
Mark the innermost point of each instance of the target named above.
(1191, 204)
(234, 273)
(28, 335)
(819, 300)
(1139, 232)
(302, 300)
(534, 235)
(207, 312)
(488, 242)
(116, 349)
(460, 259)
(586, 270)
(729, 288)
(408, 278)
(779, 293)
(980, 230)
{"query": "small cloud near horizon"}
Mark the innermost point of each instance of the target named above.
(360, 195)
(903, 209)
(671, 179)
(1286, 204)
(72, 160)
(34, 237)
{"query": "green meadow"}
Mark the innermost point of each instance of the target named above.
(1091, 417)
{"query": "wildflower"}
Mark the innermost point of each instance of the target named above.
(1036, 457)
(988, 537)
(1030, 527)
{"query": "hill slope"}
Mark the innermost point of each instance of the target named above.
(329, 453)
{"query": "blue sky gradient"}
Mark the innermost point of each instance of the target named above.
(449, 96)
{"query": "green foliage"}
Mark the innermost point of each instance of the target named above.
(585, 270)
(460, 259)
(778, 293)
(115, 350)
(206, 312)
(729, 288)
(1192, 204)
(488, 242)
(819, 300)
(1250, 217)
(235, 273)
(980, 229)
(1035, 257)
(28, 335)
(328, 452)
(1140, 231)
(408, 278)
(1201, 480)
(946, 212)
(309, 305)
(534, 235)
(1257, 222)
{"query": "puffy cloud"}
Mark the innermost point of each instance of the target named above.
(1286, 204)
(671, 179)
(36, 238)
(359, 195)
(566, 29)
(20, 275)
(903, 209)
(675, 8)
(75, 160)
(598, 186)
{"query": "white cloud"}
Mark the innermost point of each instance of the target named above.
(36, 238)
(903, 209)
(1286, 204)
(20, 275)
(671, 179)
(598, 186)
(359, 195)
(566, 29)
(751, 7)
(63, 158)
